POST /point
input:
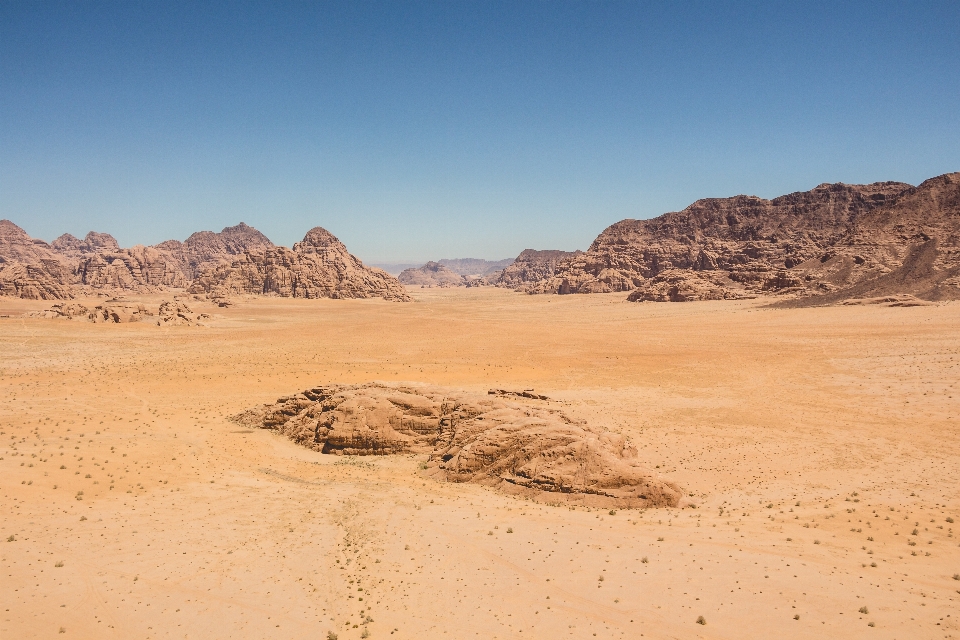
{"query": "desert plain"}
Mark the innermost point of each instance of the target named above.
(820, 447)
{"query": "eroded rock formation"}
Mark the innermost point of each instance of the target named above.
(206, 249)
(29, 268)
(833, 242)
(319, 266)
(239, 259)
(174, 313)
(519, 444)
(530, 269)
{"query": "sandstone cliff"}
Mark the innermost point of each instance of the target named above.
(520, 445)
(530, 268)
(29, 268)
(319, 266)
(205, 249)
(816, 243)
(909, 247)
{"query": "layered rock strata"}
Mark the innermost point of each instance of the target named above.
(520, 444)
(751, 239)
(831, 243)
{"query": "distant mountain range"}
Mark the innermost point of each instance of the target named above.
(239, 259)
(831, 244)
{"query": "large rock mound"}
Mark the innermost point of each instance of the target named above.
(30, 269)
(832, 243)
(98, 262)
(910, 247)
(319, 266)
(432, 274)
(679, 285)
(750, 238)
(206, 249)
(520, 444)
(531, 269)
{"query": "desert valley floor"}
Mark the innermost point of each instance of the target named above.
(821, 447)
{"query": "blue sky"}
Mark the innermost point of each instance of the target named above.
(417, 131)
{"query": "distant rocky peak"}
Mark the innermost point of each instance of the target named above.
(246, 234)
(318, 238)
(67, 242)
(95, 241)
(12, 233)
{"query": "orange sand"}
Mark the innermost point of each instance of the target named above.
(815, 441)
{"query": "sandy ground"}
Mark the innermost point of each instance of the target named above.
(822, 446)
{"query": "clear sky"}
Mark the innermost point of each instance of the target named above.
(417, 131)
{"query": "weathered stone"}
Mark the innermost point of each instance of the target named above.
(317, 267)
(522, 444)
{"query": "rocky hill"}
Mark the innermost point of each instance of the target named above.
(319, 266)
(432, 274)
(29, 268)
(530, 268)
(805, 244)
(205, 249)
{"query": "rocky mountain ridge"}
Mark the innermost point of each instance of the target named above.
(818, 244)
(69, 266)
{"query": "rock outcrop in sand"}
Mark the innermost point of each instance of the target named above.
(174, 313)
(319, 266)
(831, 243)
(518, 444)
